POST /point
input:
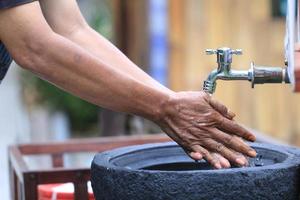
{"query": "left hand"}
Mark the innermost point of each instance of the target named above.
(203, 127)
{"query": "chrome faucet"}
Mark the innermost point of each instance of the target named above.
(256, 74)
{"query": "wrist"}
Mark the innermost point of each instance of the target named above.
(165, 107)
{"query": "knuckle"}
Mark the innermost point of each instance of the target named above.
(214, 116)
(223, 109)
(229, 140)
(219, 147)
(221, 121)
(234, 125)
(241, 145)
(205, 153)
(237, 128)
(219, 106)
(205, 95)
(231, 155)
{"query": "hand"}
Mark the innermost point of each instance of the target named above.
(204, 129)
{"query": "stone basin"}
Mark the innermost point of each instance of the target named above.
(164, 172)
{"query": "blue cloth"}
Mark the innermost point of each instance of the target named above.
(5, 61)
(12, 3)
(5, 58)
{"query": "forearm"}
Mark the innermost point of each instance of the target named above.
(34, 46)
(65, 18)
(103, 49)
(75, 70)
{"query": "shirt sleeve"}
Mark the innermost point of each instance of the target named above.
(13, 3)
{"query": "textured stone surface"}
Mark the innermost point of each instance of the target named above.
(119, 175)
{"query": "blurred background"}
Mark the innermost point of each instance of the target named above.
(167, 39)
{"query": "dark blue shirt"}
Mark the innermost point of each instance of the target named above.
(5, 58)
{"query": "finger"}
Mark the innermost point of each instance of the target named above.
(244, 158)
(233, 142)
(235, 129)
(231, 114)
(239, 154)
(223, 110)
(195, 155)
(224, 151)
(207, 156)
(223, 161)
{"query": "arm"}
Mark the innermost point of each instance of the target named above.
(65, 18)
(58, 60)
(192, 119)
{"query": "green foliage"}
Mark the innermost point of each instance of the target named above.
(102, 21)
(82, 115)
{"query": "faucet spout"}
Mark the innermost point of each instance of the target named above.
(211, 82)
(234, 75)
(256, 74)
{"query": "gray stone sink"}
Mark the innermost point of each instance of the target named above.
(164, 172)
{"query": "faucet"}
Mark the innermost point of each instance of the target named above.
(256, 74)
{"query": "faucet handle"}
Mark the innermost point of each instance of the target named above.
(211, 51)
(237, 51)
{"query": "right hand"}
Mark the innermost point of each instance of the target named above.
(204, 128)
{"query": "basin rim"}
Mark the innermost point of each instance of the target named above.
(103, 160)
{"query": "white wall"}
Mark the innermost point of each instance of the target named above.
(14, 125)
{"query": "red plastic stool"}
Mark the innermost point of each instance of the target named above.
(60, 192)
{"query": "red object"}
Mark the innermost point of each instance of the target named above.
(60, 192)
(24, 180)
(297, 68)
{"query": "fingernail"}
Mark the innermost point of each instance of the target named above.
(231, 114)
(229, 165)
(252, 138)
(196, 156)
(240, 161)
(225, 165)
(252, 153)
(218, 166)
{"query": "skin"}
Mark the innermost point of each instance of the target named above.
(51, 39)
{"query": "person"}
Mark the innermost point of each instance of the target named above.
(52, 40)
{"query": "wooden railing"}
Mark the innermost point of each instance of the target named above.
(24, 181)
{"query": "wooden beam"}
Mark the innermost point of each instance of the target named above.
(89, 145)
(177, 47)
